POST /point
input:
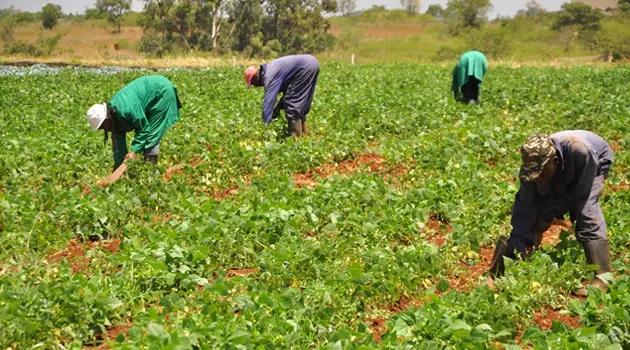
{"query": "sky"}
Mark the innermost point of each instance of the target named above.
(500, 7)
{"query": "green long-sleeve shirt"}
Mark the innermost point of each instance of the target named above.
(471, 64)
(149, 106)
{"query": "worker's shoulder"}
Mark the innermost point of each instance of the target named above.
(572, 142)
(578, 139)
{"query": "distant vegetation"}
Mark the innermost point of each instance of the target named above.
(247, 28)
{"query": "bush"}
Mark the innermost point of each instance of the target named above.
(51, 14)
(154, 45)
(94, 13)
(25, 17)
(43, 47)
(493, 42)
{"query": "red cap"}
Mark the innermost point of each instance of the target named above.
(249, 75)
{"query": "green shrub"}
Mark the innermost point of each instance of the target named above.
(43, 47)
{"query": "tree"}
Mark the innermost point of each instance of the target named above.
(580, 15)
(624, 6)
(245, 20)
(115, 9)
(346, 7)
(94, 13)
(533, 9)
(260, 28)
(195, 24)
(7, 25)
(436, 11)
(51, 14)
(464, 14)
(411, 6)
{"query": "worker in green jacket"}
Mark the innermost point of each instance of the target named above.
(468, 75)
(149, 106)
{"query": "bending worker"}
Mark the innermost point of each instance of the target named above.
(560, 173)
(468, 75)
(294, 76)
(149, 106)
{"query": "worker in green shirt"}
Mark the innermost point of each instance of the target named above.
(149, 106)
(468, 75)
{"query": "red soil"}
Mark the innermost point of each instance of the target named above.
(552, 235)
(110, 334)
(399, 170)
(302, 180)
(435, 230)
(544, 319)
(378, 326)
(195, 162)
(621, 187)
(172, 170)
(347, 167)
(86, 190)
(164, 219)
(242, 272)
(75, 253)
(616, 145)
(465, 281)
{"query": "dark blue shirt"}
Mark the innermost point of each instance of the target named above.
(582, 156)
(278, 74)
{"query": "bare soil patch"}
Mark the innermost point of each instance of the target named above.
(239, 272)
(544, 319)
(156, 219)
(75, 253)
(172, 170)
(373, 162)
(378, 326)
(435, 230)
(620, 187)
(110, 334)
(551, 237)
(464, 281)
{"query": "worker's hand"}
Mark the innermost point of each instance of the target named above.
(276, 111)
(130, 156)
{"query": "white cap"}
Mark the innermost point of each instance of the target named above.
(96, 115)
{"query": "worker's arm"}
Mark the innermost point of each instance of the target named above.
(272, 89)
(119, 147)
(524, 217)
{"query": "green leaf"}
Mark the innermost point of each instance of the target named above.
(238, 336)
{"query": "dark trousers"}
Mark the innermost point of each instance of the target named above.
(470, 90)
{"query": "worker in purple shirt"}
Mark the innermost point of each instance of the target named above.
(295, 76)
(563, 172)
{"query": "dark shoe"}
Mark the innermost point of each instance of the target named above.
(597, 253)
(152, 159)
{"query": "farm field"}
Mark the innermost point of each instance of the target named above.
(372, 232)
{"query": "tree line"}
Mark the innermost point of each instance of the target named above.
(270, 28)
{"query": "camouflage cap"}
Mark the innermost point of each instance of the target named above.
(536, 152)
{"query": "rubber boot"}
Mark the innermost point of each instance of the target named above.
(295, 127)
(152, 159)
(304, 128)
(597, 253)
